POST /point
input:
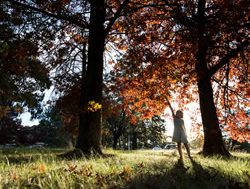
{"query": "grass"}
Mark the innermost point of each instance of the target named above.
(42, 169)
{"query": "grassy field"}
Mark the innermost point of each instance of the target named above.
(42, 169)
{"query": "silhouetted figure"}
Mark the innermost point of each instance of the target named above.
(180, 135)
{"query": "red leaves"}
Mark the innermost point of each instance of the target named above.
(237, 126)
(248, 92)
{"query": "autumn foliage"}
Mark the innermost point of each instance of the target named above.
(182, 51)
(159, 60)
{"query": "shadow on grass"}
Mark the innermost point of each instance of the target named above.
(24, 155)
(184, 177)
(247, 158)
(18, 159)
(78, 154)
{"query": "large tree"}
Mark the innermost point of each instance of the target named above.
(203, 40)
(89, 23)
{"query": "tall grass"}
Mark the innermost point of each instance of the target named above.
(29, 168)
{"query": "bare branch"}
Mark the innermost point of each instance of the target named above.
(170, 106)
(67, 18)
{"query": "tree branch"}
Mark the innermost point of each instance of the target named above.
(227, 57)
(170, 106)
(116, 15)
(67, 18)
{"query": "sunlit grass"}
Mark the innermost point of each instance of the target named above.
(29, 168)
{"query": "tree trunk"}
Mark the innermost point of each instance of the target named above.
(89, 138)
(115, 141)
(213, 143)
(134, 141)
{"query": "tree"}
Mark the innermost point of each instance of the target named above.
(207, 32)
(23, 76)
(151, 130)
(117, 125)
(92, 21)
(10, 130)
(192, 41)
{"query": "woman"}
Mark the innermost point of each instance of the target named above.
(179, 135)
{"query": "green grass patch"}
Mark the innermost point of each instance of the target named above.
(42, 168)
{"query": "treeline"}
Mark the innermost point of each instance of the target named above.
(117, 133)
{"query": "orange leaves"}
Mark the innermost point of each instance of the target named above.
(237, 126)
(78, 39)
(85, 170)
(13, 176)
(133, 118)
(127, 170)
(41, 168)
(88, 171)
(118, 26)
(71, 167)
(122, 47)
(248, 92)
(144, 93)
(126, 173)
(154, 22)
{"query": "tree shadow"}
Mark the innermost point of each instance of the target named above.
(78, 154)
(247, 158)
(22, 156)
(18, 156)
(182, 176)
(18, 159)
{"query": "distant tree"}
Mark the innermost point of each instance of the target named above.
(153, 130)
(23, 77)
(57, 128)
(10, 131)
(117, 125)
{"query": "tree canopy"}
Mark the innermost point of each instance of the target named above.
(163, 49)
(23, 76)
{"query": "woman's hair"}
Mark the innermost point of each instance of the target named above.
(178, 112)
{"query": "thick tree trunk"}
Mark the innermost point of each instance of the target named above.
(89, 138)
(213, 143)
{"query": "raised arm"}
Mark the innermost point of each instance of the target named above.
(170, 106)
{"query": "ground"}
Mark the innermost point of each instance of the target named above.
(43, 168)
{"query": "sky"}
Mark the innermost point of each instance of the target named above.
(26, 116)
(26, 121)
